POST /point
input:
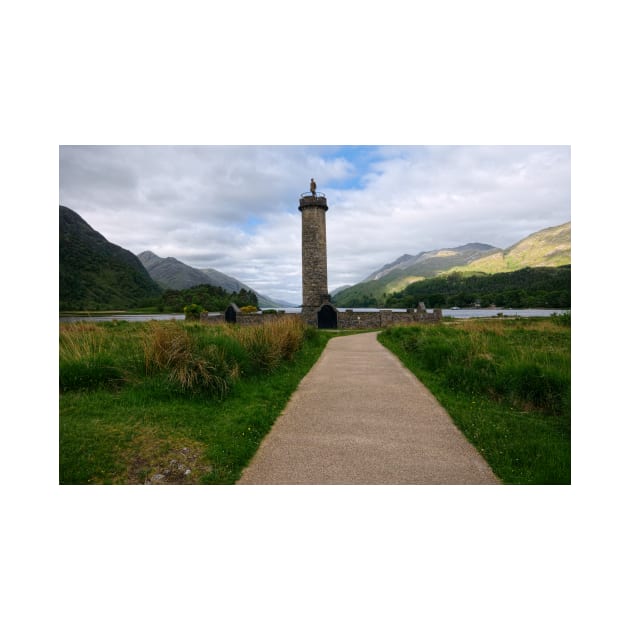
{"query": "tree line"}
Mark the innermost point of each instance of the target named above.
(532, 287)
(209, 297)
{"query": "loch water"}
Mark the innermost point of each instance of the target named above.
(463, 313)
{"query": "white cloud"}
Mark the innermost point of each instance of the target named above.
(235, 208)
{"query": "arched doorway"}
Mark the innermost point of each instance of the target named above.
(327, 317)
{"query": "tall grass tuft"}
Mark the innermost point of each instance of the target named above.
(85, 359)
(192, 357)
(197, 373)
(271, 343)
(191, 363)
(164, 344)
(79, 341)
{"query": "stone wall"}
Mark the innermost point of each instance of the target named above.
(383, 319)
(348, 319)
(309, 315)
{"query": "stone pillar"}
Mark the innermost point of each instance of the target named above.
(314, 265)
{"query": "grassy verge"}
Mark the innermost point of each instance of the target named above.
(171, 402)
(506, 384)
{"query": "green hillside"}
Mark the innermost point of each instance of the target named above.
(532, 287)
(95, 274)
(547, 248)
(397, 275)
(550, 247)
(171, 273)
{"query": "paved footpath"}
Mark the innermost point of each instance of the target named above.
(360, 417)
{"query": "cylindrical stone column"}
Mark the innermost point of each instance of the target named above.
(314, 266)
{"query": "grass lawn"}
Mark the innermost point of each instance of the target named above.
(505, 383)
(182, 403)
(122, 420)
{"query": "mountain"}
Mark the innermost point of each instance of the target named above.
(399, 263)
(95, 274)
(223, 280)
(171, 273)
(550, 247)
(431, 263)
(396, 275)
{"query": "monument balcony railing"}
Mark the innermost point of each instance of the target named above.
(310, 200)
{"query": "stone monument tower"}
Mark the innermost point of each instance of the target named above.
(316, 307)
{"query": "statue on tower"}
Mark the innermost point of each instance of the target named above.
(313, 187)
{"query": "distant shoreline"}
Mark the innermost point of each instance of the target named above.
(458, 313)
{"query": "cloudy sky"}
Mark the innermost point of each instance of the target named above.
(234, 208)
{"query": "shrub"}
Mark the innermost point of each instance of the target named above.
(248, 310)
(193, 311)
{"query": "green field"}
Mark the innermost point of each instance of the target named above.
(507, 386)
(186, 403)
(189, 402)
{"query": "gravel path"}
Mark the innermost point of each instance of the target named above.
(360, 417)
